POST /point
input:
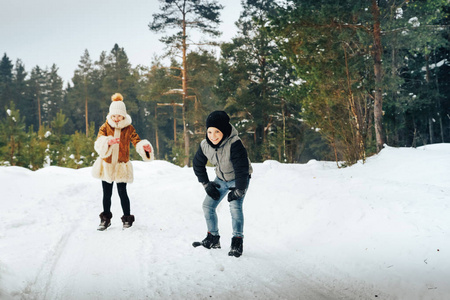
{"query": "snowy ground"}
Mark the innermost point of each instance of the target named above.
(375, 231)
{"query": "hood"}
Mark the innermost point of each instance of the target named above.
(122, 124)
(233, 133)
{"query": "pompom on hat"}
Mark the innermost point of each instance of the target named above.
(117, 106)
(220, 120)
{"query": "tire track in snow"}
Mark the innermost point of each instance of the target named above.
(39, 287)
(58, 216)
(100, 265)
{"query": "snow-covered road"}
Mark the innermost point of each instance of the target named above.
(374, 231)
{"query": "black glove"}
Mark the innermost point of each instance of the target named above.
(235, 194)
(211, 189)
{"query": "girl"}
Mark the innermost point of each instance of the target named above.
(113, 164)
(224, 149)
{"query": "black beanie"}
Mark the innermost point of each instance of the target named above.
(220, 120)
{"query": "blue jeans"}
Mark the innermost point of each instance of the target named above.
(237, 215)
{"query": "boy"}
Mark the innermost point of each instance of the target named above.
(224, 149)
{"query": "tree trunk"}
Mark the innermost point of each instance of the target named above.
(174, 123)
(156, 131)
(361, 151)
(184, 86)
(13, 149)
(284, 129)
(39, 111)
(439, 107)
(377, 49)
(397, 136)
(87, 121)
(430, 117)
(430, 129)
(86, 107)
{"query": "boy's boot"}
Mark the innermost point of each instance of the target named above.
(211, 241)
(105, 221)
(236, 246)
(127, 221)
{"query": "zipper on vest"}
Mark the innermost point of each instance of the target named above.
(218, 165)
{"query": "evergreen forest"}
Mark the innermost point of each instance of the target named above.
(301, 80)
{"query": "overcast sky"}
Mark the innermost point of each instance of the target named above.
(46, 32)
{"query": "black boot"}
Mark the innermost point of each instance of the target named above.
(211, 241)
(236, 246)
(127, 221)
(105, 221)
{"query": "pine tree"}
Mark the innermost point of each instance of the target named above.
(83, 90)
(86, 103)
(120, 77)
(329, 46)
(254, 82)
(35, 149)
(37, 85)
(12, 131)
(54, 94)
(6, 89)
(413, 33)
(183, 15)
(117, 69)
(80, 150)
(57, 151)
(159, 89)
(202, 73)
(21, 93)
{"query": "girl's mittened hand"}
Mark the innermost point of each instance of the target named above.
(113, 141)
(147, 148)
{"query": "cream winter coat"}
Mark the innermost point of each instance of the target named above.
(114, 163)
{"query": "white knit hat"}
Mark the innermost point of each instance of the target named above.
(117, 106)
